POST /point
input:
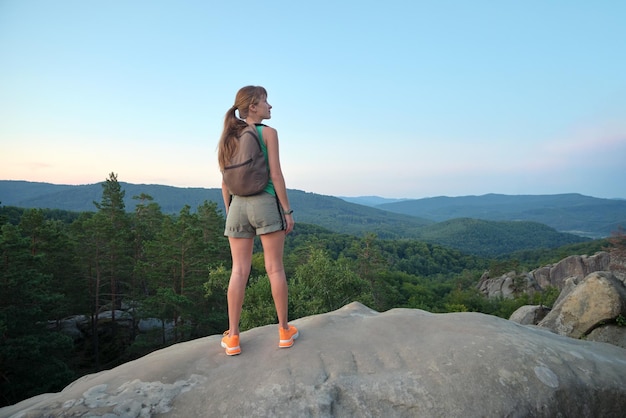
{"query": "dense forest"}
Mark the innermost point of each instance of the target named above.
(117, 269)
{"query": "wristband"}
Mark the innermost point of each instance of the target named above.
(289, 212)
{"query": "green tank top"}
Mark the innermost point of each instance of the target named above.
(270, 186)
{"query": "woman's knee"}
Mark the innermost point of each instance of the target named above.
(239, 275)
(273, 264)
(275, 268)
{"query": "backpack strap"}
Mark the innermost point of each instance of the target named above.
(256, 131)
(251, 129)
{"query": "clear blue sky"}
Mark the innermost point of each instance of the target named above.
(404, 99)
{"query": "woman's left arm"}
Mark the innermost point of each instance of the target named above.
(271, 142)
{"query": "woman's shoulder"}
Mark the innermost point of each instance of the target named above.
(268, 130)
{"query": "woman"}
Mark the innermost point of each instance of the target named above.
(267, 214)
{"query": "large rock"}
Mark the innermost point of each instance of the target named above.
(574, 266)
(599, 298)
(507, 286)
(529, 314)
(357, 362)
(611, 334)
(513, 284)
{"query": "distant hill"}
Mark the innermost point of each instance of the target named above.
(370, 200)
(332, 213)
(573, 213)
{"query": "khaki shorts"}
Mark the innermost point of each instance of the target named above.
(254, 215)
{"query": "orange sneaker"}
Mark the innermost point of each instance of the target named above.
(287, 336)
(231, 344)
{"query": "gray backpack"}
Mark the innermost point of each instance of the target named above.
(247, 173)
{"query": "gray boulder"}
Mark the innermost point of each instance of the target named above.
(357, 362)
(514, 284)
(611, 334)
(593, 308)
(599, 298)
(507, 286)
(70, 326)
(529, 314)
(573, 266)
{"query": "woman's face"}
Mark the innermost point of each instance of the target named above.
(263, 108)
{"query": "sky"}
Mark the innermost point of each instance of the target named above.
(398, 99)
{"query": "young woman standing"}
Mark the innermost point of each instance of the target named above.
(267, 214)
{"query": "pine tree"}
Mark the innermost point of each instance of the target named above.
(32, 358)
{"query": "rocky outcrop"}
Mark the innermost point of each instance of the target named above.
(357, 362)
(507, 286)
(598, 299)
(574, 266)
(593, 308)
(513, 284)
(592, 296)
(80, 327)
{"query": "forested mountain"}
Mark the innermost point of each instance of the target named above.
(574, 213)
(335, 214)
(81, 198)
(327, 211)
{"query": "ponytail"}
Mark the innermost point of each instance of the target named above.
(233, 125)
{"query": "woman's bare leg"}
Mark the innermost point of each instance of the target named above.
(273, 246)
(241, 252)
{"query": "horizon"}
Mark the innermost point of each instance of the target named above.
(337, 196)
(400, 98)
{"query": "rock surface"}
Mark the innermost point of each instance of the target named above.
(572, 266)
(599, 298)
(611, 334)
(357, 362)
(513, 284)
(529, 314)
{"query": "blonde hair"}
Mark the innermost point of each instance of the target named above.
(233, 125)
